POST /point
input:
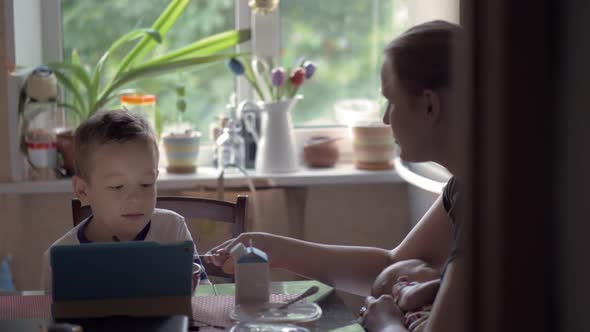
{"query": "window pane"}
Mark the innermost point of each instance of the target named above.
(345, 39)
(91, 26)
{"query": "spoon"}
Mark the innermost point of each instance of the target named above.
(310, 291)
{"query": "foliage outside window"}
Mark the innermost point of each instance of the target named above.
(344, 38)
(207, 89)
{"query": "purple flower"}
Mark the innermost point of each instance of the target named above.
(236, 66)
(309, 69)
(278, 76)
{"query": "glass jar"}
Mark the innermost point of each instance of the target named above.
(144, 105)
(230, 146)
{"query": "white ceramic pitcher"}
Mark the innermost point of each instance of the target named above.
(276, 151)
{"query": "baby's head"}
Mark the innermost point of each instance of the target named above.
(116, 160)
(413, 269)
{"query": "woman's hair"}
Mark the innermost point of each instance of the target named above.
(422, 55)
(106, 127)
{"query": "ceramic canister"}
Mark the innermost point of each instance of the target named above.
(182, 152)
(373, 146)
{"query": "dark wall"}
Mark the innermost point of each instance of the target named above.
(573, 182)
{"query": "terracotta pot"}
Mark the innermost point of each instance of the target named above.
(65, 146)
(320, 151)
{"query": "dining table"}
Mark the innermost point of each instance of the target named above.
(336, 316)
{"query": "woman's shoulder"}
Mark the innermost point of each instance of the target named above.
(450, 194)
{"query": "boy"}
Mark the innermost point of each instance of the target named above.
(116, 161)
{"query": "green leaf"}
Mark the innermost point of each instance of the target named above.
(181, 105)
(122, 93)
(96, 74)
(206, 46)
(67, 83)
(145, 71)
(75, 80)
(249, 74)
(71, 108)
(74, 70)
(162, 24)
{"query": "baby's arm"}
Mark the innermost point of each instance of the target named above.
(412, 296)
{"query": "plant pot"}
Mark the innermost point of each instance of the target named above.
(373, 146)
(320, 151)
(182, 151)
(65, 146)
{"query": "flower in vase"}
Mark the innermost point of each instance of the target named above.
(236, 66)
(278, 76)
(297, 77)
(273, 84)
(309, 69)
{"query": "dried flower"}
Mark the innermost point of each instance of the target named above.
(278, 76)
(309, 69)
(273, 84)
(298, 76)
(236, 66)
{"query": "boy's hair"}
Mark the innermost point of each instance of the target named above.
(106, 127)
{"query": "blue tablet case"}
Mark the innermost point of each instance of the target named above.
(119, 274)
(109, 324)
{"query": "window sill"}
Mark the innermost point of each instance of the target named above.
(207, 177)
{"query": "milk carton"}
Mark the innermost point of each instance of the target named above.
(252, 275)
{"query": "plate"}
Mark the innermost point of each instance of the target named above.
(267, 327)
(300, 312)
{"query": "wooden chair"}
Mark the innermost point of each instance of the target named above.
(191, 208)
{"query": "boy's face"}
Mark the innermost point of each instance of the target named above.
(121, 188)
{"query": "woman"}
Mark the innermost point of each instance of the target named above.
(416, 81)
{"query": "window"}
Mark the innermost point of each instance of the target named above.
(345, 39)
(91, 26)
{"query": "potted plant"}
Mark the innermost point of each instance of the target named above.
(89, 90)
(181, 143)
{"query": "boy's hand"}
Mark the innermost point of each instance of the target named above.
(381, 313)
(414, 295)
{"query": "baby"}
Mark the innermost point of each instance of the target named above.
(402, 276)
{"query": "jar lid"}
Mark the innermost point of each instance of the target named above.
(138, 99)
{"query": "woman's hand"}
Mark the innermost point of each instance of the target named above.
(414, 295)
(382, 314)
(220, 255)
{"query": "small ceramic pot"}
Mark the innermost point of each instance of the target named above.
(65, 146)
(182, 152)
(320, 151)
(373, 146)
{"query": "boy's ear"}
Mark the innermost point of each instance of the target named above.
(432, 103)
(80, 187)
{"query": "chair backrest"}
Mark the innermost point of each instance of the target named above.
(190, 208)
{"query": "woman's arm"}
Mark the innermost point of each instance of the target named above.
(449, 309)
(352, 268)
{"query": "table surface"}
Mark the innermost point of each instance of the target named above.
(336, 316)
